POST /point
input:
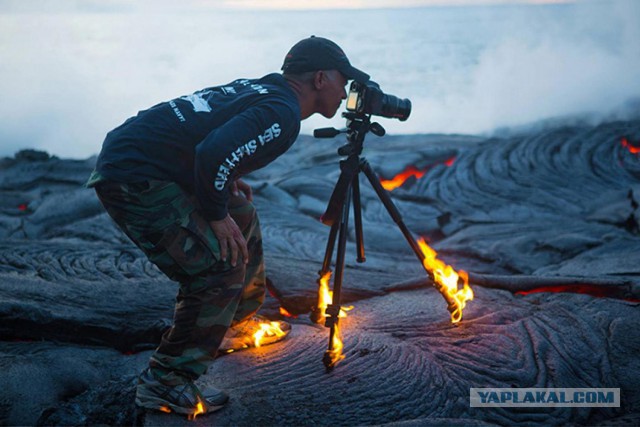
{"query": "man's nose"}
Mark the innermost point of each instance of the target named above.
(344, 93)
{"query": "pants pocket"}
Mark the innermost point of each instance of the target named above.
(191, 246)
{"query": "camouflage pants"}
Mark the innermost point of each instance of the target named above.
(164, 222)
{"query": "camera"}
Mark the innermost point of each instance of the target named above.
(368, 98)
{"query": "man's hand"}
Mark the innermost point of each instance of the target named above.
(231, 239)
(238, 186)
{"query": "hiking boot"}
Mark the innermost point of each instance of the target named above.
(183, 399)
(254, 332)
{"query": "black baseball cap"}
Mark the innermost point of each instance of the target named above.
(317, 53)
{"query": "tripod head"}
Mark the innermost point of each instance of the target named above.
(358, 125)
(365, 100)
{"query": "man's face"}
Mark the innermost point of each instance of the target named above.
(331, 93)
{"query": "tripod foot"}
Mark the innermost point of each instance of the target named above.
(329, 361)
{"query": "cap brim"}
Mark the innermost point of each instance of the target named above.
(352, 73)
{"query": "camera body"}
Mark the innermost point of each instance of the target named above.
(368, 98)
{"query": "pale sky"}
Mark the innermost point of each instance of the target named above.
(47, 6)
(364, 4)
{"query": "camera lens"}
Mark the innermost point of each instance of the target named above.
(395, 108)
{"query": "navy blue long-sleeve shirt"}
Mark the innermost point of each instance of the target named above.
(206, 140)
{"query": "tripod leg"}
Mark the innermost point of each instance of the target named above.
(316, 315)
(342, 244)
(393, 211)
(334, 352)
(348, 168)
(328, 254)
(357, 216)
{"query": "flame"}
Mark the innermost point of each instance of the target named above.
(325, 298)
(284, 312)
(199, 409)
(267, 329)
(165, 409)
(446, 279)
(335, 354)
(632, 148)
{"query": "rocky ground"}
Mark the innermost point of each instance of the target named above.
(553, 210)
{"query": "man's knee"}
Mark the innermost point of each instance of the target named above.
(215, 286)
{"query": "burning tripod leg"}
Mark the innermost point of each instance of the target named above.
(324, 295)
(332, 299)
(334, 353)
(446, 280)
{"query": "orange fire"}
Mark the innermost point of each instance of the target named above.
(325, 298)
(335, 354)
(446, 280)
(198, 410)
(285, 313)
(267, 329)
(632, 148)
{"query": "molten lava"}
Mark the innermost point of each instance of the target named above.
(633, 149)
(399, 179)
(597, 291)
(446, 280)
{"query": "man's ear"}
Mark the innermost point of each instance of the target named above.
(319, 79)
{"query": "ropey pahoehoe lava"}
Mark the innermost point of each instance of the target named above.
(523, 214)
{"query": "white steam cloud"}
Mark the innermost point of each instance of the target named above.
(67, 78)
(589, 66)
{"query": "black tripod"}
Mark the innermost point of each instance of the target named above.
(345, 193)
